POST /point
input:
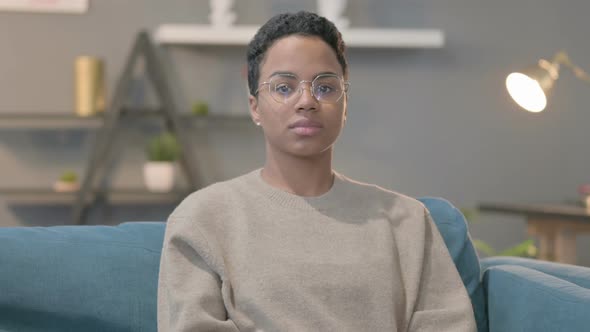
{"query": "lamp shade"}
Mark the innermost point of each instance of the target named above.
(530, 88)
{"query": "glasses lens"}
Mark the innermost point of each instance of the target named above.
(328, 89)
(283, 88)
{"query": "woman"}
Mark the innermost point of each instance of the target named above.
(296, 246)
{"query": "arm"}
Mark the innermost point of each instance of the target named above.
(189, 291)
(442, 302)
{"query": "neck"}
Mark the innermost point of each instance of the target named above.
(300, 176)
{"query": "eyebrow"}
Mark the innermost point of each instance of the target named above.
(288, 73)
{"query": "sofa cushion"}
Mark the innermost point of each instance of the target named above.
(524, 299)
(453, 228)
(80, 278)
(579, 275)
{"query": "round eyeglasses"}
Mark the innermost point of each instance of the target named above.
(325, 88)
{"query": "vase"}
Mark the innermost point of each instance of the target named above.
(159, 176)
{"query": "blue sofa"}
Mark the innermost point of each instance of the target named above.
(104, 278)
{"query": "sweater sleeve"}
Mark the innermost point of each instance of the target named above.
(189, 291)
(443, 303)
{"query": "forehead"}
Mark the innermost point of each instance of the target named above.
(304, 56)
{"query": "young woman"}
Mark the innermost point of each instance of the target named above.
(296, 246)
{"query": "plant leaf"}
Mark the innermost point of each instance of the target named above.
(524, 249)
(484, 247)
(471, 215)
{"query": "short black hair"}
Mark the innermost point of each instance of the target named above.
(283, 25)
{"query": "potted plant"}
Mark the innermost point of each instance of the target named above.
(162, 152)
(67, 182)
(200, 108)
(526, 248)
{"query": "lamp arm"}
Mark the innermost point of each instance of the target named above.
(562, 58)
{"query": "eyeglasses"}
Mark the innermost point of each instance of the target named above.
(325, 88)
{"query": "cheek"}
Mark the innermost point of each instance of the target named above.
(274, 117)
(272, 110)
(339, 113)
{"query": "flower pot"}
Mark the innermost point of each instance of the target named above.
(159, 176)
(64, 187)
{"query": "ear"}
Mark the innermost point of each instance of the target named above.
(253, 106)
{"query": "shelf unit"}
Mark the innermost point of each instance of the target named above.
(94, 186)
(201, 34)
(119, 196)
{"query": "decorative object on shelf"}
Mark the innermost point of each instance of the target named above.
(333, 10)
(67, 182)
(530, 87)
(163, 151)
(89, 85)
(221, 15)
(53, 6)
(200, 108)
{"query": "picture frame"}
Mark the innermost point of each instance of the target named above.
(45, 6)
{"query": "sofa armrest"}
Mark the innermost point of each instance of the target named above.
(579, 275)
(523, 299)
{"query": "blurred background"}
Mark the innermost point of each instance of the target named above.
(421, 121)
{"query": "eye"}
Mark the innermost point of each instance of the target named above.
(283, 89)
(324, 89)
(327, 86)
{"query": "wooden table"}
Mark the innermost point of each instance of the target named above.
(555, 225)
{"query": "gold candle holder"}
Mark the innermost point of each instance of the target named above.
(89, 85)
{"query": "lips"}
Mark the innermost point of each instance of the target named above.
(305, 123)
(306, 127)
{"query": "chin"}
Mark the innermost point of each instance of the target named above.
(310, 151)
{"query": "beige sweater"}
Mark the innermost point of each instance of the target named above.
(242, 255)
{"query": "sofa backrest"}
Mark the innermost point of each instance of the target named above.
(80, 278)
(453, 228)
(104, 278)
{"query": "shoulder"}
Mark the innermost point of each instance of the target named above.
(199, 220)
(210, 201)
(382, 198)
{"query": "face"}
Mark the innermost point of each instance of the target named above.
(301, 125)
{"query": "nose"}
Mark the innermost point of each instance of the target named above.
(306, 100)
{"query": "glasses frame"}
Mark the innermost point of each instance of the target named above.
(345, 84)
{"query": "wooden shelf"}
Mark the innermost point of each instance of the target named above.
(201, 34)
(72, 121)
(555, 210)
(48, 121)
(131, 196)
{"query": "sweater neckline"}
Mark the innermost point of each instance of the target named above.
(322, 202)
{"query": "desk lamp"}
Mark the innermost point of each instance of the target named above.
(530, 87)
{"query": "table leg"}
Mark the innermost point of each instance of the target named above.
(565, 246)
(545, 232)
